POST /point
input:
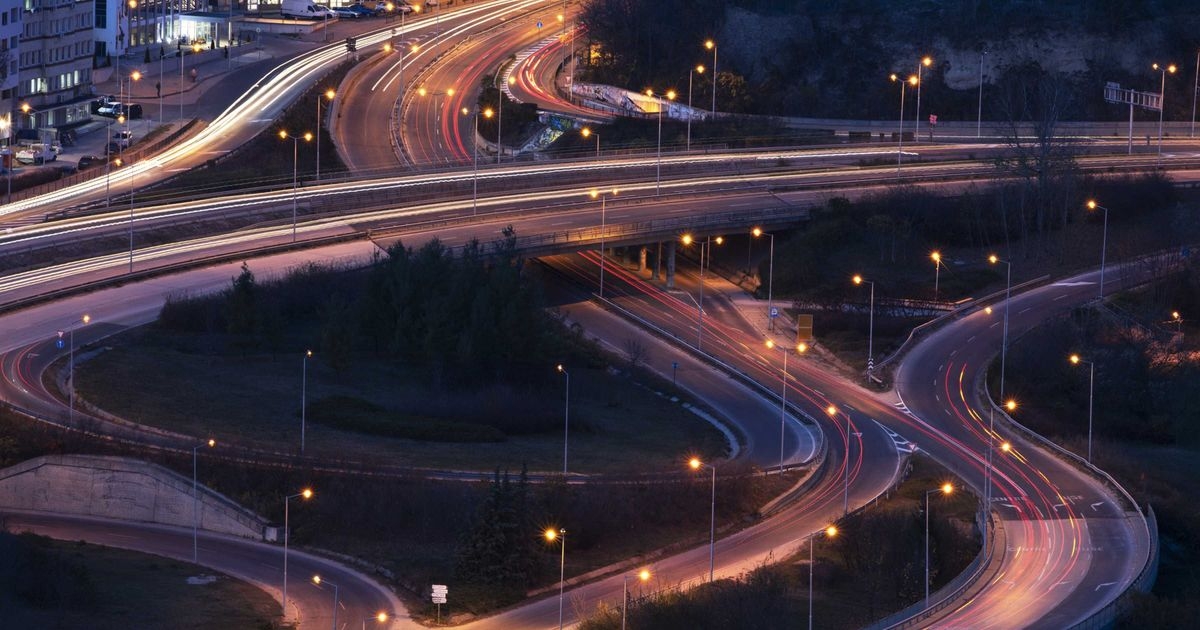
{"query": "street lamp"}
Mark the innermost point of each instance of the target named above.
(642, 575)
(1007, 292)
(594, 193)
(195, 50)
(695, 464)
(1004, 447)
(566, 415)
(1092, 205)
(318, 582)
(946, 489)
(304, 396)
(585, 132)
(832, 412)
(801, 349)
(381, 617)
(925, 62)
(71, 372)
(712, 45)
(283, 134)
(1177, 319)
(658, 163)
(979, 116)
(1076, 360)
(196, 500)
(696, 70)
(487, 113)
(561, 536)
(912, 80)
(871, 326)
(1162, 98)
(687, 239)
(829, 532)
(422, 92)
(305, 494)
(757, 232)
(328, 95)
(936, 257)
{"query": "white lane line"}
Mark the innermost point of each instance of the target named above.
(1060, 297)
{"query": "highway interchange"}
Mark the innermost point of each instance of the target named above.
(1072, 544)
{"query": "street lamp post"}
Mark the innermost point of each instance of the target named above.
(561, 536)
(566, 415)
(712, 45)
(196, 500)
(594, 193)
(328, 94)
(801, 349)
(900, 144)
(1092, 205)
(695, 464)
(925, 62)
(304, 397)
(946, 488)
(1076, 360)
(380, 616)
(585, 132)
(658, 162)
(317, 580)
(1162, 98)
(979, 115)
(487, 113)
(283, 134)
(696, 70)
(990, 471)
(71, 360)
(305, 494)
(706, 245)
(1007, 293)
(829, 532)
(870, 327)
(937, 268)
(757, 232)
(642, 575)
(832, 412)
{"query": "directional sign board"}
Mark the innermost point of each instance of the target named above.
(1114, 93)
(804, 327)
(774, 312)
(439, 593)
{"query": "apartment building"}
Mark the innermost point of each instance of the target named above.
(10, 44)
(55, 63)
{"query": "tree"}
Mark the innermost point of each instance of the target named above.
(241, 303)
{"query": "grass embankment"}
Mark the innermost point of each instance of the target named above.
(872, 567)
(46, 583)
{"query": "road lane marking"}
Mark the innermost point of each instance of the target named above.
(1102, 585)
(1060, 297)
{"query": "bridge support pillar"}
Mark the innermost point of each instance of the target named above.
(642, 251)
(658, 262)
(670, 264)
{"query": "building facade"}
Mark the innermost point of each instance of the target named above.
(55, 63)
(11, 13)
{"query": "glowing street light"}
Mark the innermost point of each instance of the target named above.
(380, 617)
(594, 193)
(195, 498)
(304, 396)
(283, 135)
(871, 325)
(566, 415)
(658, 164)
(912, 80)
(71, 372)
(327, 95)
(945, 489)
(936, 257)
(305, 494)
(560, 535)
(1162, 98)
(585, 132)
(800, 349)
(925, 63)
(757, 232)
(687, 239)
(995, 260)
(829, 532)
(695, 464)
(691, 71)
(1092, 205)
(712, 45)
(1076, 360)
(487, 113)
(318, 581)
(642, 576)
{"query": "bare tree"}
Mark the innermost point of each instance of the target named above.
(636, 352)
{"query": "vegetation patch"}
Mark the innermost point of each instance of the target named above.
(355, 414)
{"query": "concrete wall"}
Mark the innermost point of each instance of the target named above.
(123, 489)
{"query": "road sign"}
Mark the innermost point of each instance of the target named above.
(774, 311)
(1114, 93)
(58, 343)
(351, 44)
(539, 24)
(439, 593)
(933, 119)
(804, 327)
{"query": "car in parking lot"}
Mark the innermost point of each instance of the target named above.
(111, 109)
(362, 10)
(346, 12)
(88, 161)
(123, 138)
(38, 153)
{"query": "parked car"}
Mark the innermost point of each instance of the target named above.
(38, 153)
(346, 12)
(402, 7)
(112, 148)
(111, 109)
(123, 138)
(361, 10)
(88, 161)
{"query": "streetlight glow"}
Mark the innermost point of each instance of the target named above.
(644, 575)
(947, 488)
(551, 535)
(694, 463)
(831, 410)
(1011, 405)
(306, 493)
(1075, 359)
(757, 232)
(831, 531)
(686, 239)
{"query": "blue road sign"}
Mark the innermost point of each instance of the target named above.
(774, 312)
(59, 344)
